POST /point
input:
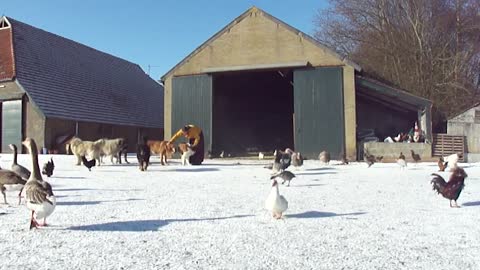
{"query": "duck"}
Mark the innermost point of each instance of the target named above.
(38, 193)
(276, 203)
(17, 168)
(13, 180)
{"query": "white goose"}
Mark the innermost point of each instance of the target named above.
(39, 194)
(276, 203)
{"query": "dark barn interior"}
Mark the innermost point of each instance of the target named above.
(252, 111)
(385, 116)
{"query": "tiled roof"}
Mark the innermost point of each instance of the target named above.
(72, 81)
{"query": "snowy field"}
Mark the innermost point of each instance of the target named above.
(212, 217)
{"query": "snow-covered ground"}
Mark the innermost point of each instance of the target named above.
(212, 217)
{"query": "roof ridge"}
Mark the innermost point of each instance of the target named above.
(242, 16)
(14, 21)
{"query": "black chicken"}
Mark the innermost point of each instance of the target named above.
(143, 155)
(450, 190)
(282, 161)
(88, 163)
(48, 168)
(285, 175)
(415, 157)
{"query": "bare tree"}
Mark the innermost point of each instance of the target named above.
(430, 48)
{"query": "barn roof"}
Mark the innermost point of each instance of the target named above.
(382, 92)
(276, 20)
(69, 80)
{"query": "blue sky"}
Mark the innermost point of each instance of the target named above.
(150, 32)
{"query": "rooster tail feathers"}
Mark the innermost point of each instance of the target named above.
(438, 183)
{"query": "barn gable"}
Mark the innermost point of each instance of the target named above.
(257, 40)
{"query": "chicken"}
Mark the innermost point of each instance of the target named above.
(281, 162)
(261, 155)
(378, 158)
(442, 165)
(370, 159)
(401, 161)
(276, 203)
(324, 157)
(285, 176)
(48, 168)
(450, 190)
(344, 159)
(297, 160)
(416, 157)
(143, 154)
(88, 163)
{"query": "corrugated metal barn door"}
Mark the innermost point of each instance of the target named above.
(319, 112)
(11, 124)
(192, 104)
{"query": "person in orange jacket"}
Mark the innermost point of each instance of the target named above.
(194, 135)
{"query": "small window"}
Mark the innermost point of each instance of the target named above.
(4, 23)
(477, 116)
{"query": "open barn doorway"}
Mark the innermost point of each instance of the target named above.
(252, 111)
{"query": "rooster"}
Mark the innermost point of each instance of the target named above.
(415, 157)
(442, 165)
(450, 190)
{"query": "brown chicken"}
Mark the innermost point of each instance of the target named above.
(416, 157)
(442, 165)
(450, 190)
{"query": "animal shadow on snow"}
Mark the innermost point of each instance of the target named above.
(143, 225)
(71, 203)
(314, 173)
(317, 214)
(320, 169)
(92, 189)
(195, 169)
(477, 203)
(68, 177)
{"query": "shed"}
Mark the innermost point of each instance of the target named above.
(259, 84)
(467, 124)
(52, 87)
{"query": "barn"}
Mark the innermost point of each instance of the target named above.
(259, 84)
(52, 88)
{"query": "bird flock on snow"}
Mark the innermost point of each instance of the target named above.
(40, 200)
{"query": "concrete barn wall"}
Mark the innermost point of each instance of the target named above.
(465, 125)
(257, 40)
